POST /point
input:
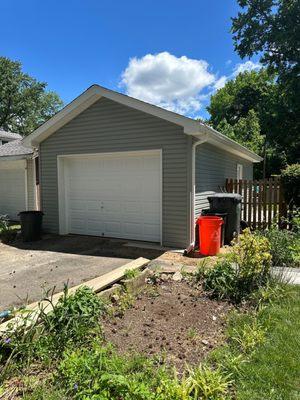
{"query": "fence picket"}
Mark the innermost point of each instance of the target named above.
(262, 201)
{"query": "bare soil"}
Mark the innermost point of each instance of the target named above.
(172, 319)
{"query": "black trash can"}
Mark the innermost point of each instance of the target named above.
(31, 225)
(218, 214)
(229, 203)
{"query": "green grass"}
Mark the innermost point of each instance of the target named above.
(273, 371)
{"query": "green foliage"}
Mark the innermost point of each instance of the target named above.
(208, 384)
(271, 29)
(7, 232)
(284, 247)
(245, 131)
(74, 320)
(131, 273)
(220, 280)
(252, 109)
(290, 178)
(273, 370)
(101, 374)
(243, 271)
(25, 103)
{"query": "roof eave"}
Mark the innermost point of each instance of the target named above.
(95, 92)
(16, 157)
(219, 140)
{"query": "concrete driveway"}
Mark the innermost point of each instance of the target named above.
(28, 271)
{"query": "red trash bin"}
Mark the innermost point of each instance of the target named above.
(210, 234)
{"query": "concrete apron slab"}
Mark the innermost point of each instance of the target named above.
(287, 275)
(26, 275)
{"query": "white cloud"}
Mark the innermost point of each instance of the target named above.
(175, 83)
(246, 66)
(220, 82)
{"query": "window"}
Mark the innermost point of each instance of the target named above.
(239, 171)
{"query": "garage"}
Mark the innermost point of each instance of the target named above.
(13, 188)
(112, 195)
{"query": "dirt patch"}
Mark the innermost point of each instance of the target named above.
(174, 320)
(193, 259)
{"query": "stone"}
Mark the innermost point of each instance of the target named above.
(177, 277)
(205, 342)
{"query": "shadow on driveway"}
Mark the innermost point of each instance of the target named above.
(29, 270)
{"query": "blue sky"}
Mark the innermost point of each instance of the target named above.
(180, 51)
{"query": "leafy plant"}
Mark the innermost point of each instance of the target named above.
(284, 247)
(7, 233)
(249, 336)
(208, 384)
(241, 272)
(131, 273)
(73, 320)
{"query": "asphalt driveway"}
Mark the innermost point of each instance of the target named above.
(28, 271)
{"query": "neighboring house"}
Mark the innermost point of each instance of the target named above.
(114, 166)
(17, 179)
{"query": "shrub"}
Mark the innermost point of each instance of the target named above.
(243, 271)
(284, 247)
(74, 320)
(220, 281)
(7, 234)
(290, 177)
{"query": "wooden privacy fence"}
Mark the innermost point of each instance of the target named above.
(263, 202)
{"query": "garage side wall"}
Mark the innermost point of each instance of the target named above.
(213, 166)
(107, 126)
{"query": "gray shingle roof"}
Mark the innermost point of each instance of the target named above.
(14, 148)
(9, 135)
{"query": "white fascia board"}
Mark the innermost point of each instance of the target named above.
(219, 140)
(69, 112)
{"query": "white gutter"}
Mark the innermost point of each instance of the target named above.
(193, 192)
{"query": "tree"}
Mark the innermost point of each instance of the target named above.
(256, 92)
(271, 28)
(24, 102)
(245, 131)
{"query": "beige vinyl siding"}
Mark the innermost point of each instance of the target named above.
(213, 166)
(107, 126)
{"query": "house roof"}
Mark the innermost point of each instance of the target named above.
(15, 150)
(9, 135)
(190, 126)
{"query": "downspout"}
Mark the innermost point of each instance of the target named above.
(193, 191)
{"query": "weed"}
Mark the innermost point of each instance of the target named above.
(249, 336)
(208, 384)
(192, 333)
(131, 273)
(73, 320)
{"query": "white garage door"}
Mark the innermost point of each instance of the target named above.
(114, 195)
(12, 188)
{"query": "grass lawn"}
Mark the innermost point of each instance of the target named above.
(273, 371)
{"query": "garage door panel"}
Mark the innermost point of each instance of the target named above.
(115, 195)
